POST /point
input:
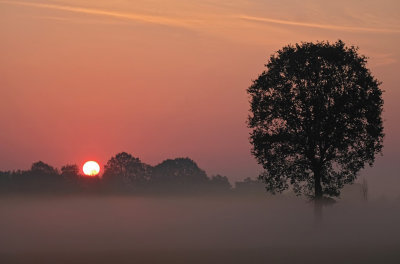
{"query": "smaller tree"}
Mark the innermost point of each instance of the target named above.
(41, 177)
(70, 175)
(125, 171)
(42, 168)
(6, 181)
(70, 171)
(179, 171)
(220, 183)
(178, 175)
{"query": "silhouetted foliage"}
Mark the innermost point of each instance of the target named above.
(315, 118)
(70, 174)
(123, 174)
(125, 171)
(220, 183)
(180, 174)
(41, 177)
(6, 181)
(43, 169)
(70, 171)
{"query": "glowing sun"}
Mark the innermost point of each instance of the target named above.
(91, 168)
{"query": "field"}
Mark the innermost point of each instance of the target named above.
(224, 229)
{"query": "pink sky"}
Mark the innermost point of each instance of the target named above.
(84, 79)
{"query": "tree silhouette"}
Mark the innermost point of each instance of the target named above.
(43, 169)
(178, 175)
(220, 183)
(125, 171)
(315, 118)
(6, 181)
(70, 175)
(70, 171)
(41, 177)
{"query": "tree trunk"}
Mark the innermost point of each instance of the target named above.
(318, 203)
(318, 211)
(317, 185)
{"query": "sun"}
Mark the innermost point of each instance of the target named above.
(91, 168)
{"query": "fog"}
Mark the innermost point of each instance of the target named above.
(230, 229)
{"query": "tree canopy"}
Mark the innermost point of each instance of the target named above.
(179, 171)
(125, 170)
(315, 118)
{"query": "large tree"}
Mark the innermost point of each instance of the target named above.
(315, 118)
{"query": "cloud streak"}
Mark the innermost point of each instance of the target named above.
(194, 24)
(158, 20)
(79, 21)
(320, 26)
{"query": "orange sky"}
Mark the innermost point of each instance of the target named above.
(84, 79)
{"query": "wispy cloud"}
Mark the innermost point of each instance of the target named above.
(321, 26)
(159, 20)
(80, 21)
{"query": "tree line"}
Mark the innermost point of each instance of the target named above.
(124, 174)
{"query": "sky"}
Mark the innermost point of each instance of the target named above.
(84, 79)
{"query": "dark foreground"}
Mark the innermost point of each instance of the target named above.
(195, 230)
(266, 255)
